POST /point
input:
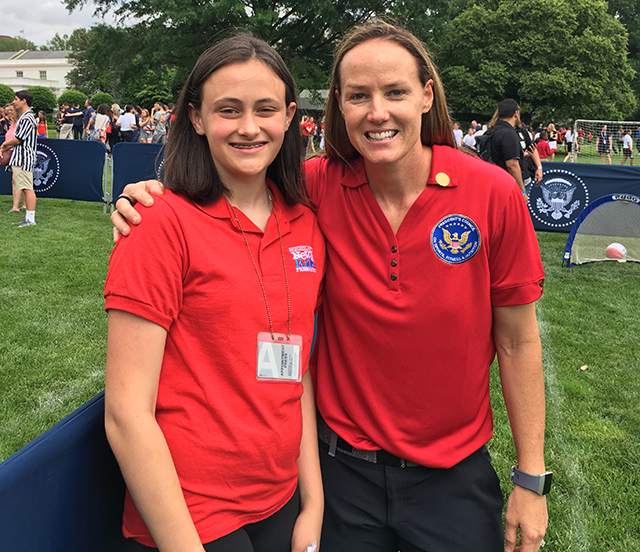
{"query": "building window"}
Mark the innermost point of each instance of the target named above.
(19, 74)
(43, 75)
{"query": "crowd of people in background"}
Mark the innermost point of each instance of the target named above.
(550, 141)
(113, 124)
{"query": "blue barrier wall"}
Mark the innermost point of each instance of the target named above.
(65, 169)
(134, 162)
(63, 492)
(567, 188)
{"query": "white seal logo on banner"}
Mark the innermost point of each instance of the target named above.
(46, 170)
(561, 197)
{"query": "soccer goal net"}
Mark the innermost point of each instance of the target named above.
(604, 140)
(606, 230)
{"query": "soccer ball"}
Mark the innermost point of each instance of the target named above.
(616, 251)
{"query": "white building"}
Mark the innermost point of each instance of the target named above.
(26, 68)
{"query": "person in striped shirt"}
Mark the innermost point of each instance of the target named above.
(23, 157)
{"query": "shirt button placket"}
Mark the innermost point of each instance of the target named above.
(394, 263)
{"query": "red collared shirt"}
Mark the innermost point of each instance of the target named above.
(404, 336)
(234, 441)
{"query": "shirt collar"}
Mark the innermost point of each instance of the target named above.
(354, 174)
(222, 209)
(502, 122)
(443, 166)
(442, 170)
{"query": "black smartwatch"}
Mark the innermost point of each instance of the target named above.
(540, 484)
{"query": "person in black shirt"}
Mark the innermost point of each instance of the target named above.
(508, 146)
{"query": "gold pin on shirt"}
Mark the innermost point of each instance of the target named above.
(443, 179)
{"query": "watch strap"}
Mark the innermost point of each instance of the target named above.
(540, 484)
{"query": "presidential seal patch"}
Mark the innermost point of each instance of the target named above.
(455, 239)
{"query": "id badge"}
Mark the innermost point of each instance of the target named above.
(279, 358)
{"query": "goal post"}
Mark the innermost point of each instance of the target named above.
(587, 140)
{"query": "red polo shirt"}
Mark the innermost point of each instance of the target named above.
(234, 441)
(404, 339)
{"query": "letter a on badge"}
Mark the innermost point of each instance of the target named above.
(267, 365)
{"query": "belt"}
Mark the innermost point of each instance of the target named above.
(337, 443)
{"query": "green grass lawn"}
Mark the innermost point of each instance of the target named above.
(53, 339)
(53, 328)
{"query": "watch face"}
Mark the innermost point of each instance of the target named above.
(547, 483)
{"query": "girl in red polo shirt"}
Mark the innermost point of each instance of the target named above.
(209, 406)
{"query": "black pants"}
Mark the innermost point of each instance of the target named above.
(272, 534)
(126, 135)
(379, 508)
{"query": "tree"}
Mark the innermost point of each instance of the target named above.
(171, 34)
(43, 99)
(628, 13)
(102, 98)
(6, 95)
(57, 43)
(560, 59)
(108, 59)
(428, 20)
(71, 96)
(15, 44)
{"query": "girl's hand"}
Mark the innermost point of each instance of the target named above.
(306, 531)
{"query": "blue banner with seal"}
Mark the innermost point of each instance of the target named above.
(134, 162)
(66, 169)
(567, 188)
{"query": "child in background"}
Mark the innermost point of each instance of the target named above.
(544, 151)
(42, 125)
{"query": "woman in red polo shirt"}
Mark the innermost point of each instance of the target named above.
(209, 403)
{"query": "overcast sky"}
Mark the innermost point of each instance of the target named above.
(42, 19)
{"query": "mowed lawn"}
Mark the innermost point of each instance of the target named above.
(53, 340)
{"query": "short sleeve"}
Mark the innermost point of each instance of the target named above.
(22, 129)
(147, 268)
(517, 275)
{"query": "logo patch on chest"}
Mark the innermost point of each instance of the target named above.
(455, 239)
(303, 257)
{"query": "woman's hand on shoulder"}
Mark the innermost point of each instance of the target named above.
(124, 214)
